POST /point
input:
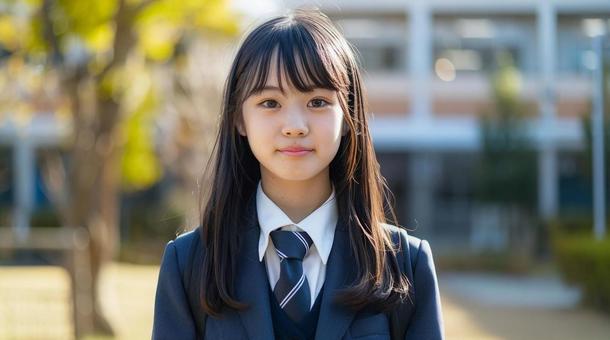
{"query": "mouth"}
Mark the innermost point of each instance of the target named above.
(295, 151)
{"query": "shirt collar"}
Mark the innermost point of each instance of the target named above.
(320, 224)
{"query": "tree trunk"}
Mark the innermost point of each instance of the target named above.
(93, 173)
(103, 224)
(94, 182)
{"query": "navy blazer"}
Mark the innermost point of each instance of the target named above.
(173, 318)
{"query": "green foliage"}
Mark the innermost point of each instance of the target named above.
(585, 262)
(507, 170)
(571, 225)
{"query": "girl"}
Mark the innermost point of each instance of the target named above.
(293, 242)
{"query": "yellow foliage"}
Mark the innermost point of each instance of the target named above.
(109, 85)
(99, 38)
(158, 27)
(161, 24)
(140, 167)
(217, 16)
(33, 39)
(33, 3)
(84, 17)
(8, 33)
(157, 41)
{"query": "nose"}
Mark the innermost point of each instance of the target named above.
(295, 124)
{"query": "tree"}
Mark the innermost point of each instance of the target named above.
(506, 176)
(507, 173)
(102, 51)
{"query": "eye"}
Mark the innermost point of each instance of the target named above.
(270, 104)
(318, 103)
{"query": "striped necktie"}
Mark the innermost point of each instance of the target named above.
(292, 289)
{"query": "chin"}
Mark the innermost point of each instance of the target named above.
(298, 174)
(296, 177)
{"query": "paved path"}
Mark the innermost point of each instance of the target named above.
(488, 306)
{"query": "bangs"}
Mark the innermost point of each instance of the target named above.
(305, 60)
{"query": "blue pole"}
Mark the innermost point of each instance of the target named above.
(599, 186)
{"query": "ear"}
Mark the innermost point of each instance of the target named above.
(344, 128)
(241, 127)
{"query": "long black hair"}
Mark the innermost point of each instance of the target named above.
(312, 53)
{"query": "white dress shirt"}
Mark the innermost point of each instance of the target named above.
(320, 226)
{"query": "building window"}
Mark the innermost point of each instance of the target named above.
(574, 42)
(471, 45)
(381, 39)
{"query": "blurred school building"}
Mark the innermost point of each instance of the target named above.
(428, 67)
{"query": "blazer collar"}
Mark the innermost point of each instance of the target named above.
(252, 285)
(252, 288)
(340, 272)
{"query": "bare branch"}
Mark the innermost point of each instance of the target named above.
(124, 36)
(49, 33)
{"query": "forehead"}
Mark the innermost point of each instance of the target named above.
(276, 75)
(289, 70)
(292, 74)
(279, 77)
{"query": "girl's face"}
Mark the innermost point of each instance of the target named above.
(294, 135)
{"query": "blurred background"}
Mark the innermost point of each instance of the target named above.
(490, 122)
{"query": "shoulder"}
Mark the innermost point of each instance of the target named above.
(184, 246)
(415, 257)
(401, 237)
(410, 249)
(186, 239)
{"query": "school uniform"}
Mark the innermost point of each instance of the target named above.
(328, 267)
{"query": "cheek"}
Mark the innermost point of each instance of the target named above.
(330, 132)
(260, 137)
(337, 124)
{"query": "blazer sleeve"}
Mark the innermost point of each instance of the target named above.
(172, 315)
(427, 320)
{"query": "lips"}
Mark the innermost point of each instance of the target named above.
(295, 151)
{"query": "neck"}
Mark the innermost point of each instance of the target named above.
(297, 199)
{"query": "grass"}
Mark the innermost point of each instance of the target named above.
(35, 304)
(35, 301)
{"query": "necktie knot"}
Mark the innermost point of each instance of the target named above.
(291, 244)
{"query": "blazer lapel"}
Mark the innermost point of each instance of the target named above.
(252, 285)
(335, 318)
